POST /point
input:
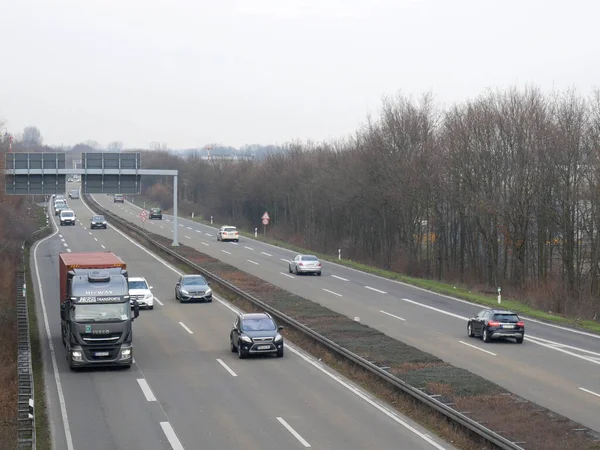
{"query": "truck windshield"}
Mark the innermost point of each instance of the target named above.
(101, 312)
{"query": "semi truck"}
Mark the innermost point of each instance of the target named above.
(95, 310)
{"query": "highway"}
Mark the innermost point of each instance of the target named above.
(186, 390)
(557, 367)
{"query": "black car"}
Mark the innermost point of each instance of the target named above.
(119, 198)
(496, 324)
(98, 222)
(156, 213)
(191, 288)
(254, 334)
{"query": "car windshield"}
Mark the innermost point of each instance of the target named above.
(309, 258)
(66, 214)
(506, 318)
(59, 203)
(98, 218)
(155, 209)
(138, 284)
(229, 229)
(193, 280)
(101, 312)
(261, 324)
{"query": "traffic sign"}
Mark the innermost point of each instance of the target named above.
(144, 213)
(143, 218)
(265, 216)
(265, 221)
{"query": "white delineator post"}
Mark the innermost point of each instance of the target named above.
(499, 295)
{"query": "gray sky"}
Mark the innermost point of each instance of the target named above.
(240, 72)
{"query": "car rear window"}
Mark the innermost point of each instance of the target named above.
(507, 318)
(309, 258)
(230, 229)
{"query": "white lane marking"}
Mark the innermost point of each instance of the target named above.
(62, 239)
(253, 262)
(204, 243)
(198, 231)
(286, 260)
(102, 246)
(225, 251)
(60, 235)
(265, 253)
(556, 344)
(65, 244)
(146, 390)
(90, 233)
(589, 392)
(181, 225)
(69, 250)
(189, 228)
(392, 315)
(340, 278)
(158, 301)
(161, 226)
(171, 436)
(208, 234)
(331, 292)
(188, 237)
(294, 432)
(227, 368)
(186, 328)
(59, 390)
(249, 248)
(376, 290)
(477, 348)
(533, 339)
(317, 365)
(234, 243)
(286, 274)
(96, 239)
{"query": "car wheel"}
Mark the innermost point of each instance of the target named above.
(290, 268)
(237, 240)
(231, 346)
(485, 336)
(295, 271)
(280, 353)
(520, 340)
(470, 330)
(319, 273)
(151, 307)
(241, 354)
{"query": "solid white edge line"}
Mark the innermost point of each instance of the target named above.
(477, 348)
(186, 328)
(294, 433)
(171, 436)
(265, 253)
(61, 396)
(145, 387)
(340, 278)
(317, 365)
(227, 368)
(286, 274)
(331, 292)
(589, 392)
(102, 246)
(253, 262)
(69, 250)
(376, 290)
(204, 243)
(158, 301)
(392, 315)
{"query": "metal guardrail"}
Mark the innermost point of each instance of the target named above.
(26, 438)
(455, 416)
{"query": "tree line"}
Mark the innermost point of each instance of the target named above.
(498, 191)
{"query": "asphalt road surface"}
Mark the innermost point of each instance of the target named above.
(556, 367)
(186, 390)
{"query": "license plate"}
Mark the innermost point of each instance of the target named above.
(508, 326)
(101, 353)
(263, 347)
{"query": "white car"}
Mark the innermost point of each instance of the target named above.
(140, 291)
(228, 233)
(67, 217)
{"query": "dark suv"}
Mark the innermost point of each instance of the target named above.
(495, 324)
(254, 334)
(119, 198)
(156, 213)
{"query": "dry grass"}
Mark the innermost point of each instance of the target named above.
(8, 355)
(482, 400)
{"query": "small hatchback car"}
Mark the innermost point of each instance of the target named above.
(496, 324)
(156, 213)
(98, 222)
(193, 288)
(254, 334)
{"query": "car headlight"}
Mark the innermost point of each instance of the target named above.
(104, 223)
(184, 292)
(208, 291)
(245, 338)
(126, 353)
(77, 356)
(278, 337)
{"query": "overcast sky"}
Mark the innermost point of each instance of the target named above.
(238, 72)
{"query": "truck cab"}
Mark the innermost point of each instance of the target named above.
(96, 317)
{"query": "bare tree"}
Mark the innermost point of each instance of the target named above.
(32, 137)
(114, 146)
(155, 145)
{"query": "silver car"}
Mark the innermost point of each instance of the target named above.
(305, 264)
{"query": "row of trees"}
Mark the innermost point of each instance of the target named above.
(502, 190)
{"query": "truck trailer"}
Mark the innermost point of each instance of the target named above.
(95, 310)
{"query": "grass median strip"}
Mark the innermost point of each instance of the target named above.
(514, 417)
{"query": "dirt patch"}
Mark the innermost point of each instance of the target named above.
(513, 417)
